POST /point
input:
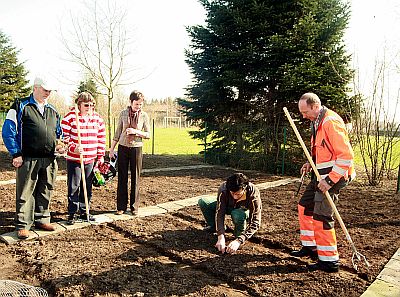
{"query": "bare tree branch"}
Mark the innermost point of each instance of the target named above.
(376, 130)
(98, 45)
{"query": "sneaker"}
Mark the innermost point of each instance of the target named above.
(119, 212)
(327, 266)
(23, 234)
(83, 217)
(131, 212)
(305, 252)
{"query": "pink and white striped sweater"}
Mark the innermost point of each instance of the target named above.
(93, 136)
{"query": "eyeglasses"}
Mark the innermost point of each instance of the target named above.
(89, 104)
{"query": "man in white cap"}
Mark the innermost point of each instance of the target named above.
(30, 133)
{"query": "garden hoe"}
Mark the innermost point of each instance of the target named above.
(82, 164)
(357, 257)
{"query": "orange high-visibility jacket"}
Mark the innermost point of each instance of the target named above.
(332, 150)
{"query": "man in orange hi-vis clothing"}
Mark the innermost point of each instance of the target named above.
(333, 157)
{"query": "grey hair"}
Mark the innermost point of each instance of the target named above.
(311, 99)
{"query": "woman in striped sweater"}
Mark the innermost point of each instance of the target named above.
(93, 140)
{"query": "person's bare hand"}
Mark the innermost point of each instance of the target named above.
(17, 162)
(130, 131)
(111, 154)
(78, 149)
(306, 168)
(233, 247)
(323, 186)
(60, 149)
(220, 245)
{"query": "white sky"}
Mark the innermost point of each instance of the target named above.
(159, 34)
(160, 38)
(371, 38)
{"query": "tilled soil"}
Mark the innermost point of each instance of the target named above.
(170, 255)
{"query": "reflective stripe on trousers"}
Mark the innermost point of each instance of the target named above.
(306, 228)
(312, 234)
(326, 242)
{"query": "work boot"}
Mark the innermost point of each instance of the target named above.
(23, 234)
(305, 252)
(327, 266)
(45, 227)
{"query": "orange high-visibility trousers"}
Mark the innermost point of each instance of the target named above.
(307, 236)
(326, 242)
(317, 223)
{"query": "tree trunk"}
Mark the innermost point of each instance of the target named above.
(109, 123)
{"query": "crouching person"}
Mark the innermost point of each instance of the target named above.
(239, 198)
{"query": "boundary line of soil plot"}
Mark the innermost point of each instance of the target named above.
(146, 170)
(387, 283)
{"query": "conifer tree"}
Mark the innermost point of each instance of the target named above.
(253, 57)
(13, 82)
(90, 86)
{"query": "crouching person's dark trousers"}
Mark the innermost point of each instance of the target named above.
(239, 216)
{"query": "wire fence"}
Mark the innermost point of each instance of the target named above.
(257, 147)
(270, 149)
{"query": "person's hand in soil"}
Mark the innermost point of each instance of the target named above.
(220, 245)
(233, 247)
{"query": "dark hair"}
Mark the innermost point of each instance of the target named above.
(236, 182)
(135, 96)
(84, 97)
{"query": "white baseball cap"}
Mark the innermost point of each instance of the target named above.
(44, 83)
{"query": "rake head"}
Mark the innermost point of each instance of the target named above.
(360, 263)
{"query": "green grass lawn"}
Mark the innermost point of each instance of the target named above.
(173, 141)
(395, 154)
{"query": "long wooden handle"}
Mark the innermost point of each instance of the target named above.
(81, 161)
(328, 196)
